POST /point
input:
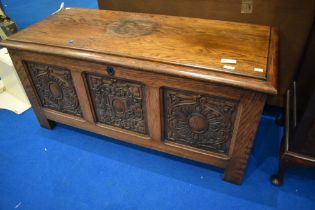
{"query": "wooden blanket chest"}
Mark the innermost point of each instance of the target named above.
(190, 87)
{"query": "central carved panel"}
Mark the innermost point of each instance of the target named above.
(54, 87)
(118, 102)
(201, 121)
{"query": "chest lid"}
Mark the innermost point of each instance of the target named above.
(188, 42)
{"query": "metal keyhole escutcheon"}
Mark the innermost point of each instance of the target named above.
(110, 70)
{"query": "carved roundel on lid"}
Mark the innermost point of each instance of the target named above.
(132, 27)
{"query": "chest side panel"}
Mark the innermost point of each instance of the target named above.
(54, 87)
(118, 102)
(198, 120)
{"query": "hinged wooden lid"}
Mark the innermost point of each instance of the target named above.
(197, 44)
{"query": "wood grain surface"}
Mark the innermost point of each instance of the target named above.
(183, 41)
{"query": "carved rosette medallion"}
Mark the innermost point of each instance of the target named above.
(200, 121)
(54, 87)
(118, 102)
(131, 27)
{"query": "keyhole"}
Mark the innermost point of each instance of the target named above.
(110, 70)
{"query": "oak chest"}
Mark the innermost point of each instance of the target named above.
(156, 81)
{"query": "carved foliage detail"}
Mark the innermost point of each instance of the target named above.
(118, 103)
(55, 88)
(200, 121)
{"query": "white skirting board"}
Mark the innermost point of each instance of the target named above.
(12, 94)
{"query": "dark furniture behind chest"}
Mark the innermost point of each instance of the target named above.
(298, 144)
(156, 81)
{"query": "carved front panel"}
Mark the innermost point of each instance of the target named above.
(118, 102)
(54, 87)
(201, 121)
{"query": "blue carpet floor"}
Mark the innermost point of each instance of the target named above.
(67, 168)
